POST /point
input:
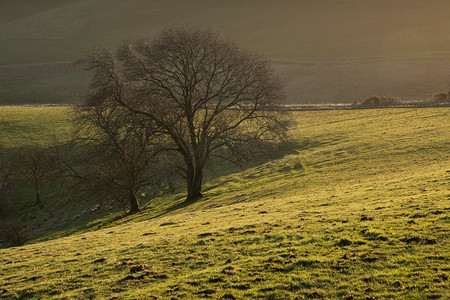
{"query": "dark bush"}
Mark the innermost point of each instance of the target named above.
(379, 101)
(13, 232)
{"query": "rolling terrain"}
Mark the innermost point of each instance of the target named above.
(356, 207)
(325, 51)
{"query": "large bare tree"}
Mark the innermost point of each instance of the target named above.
(207, 96)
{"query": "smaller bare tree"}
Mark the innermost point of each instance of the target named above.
(120, 149)
(37, 166)
(5, 181)
(12, 230)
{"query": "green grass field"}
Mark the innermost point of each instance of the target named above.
(41, 124)
(325, 51)
(357, 207)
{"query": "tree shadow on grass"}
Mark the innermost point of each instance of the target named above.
(223, 169)
(154, 208)
(160, 206)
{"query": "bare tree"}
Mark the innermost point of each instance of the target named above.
(12, 229)
(6, 169)
(121, 148)
(37, 166)
(208, 97)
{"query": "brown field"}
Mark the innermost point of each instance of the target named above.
(324, 51)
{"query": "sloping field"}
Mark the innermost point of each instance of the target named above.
(55, 83)
(288, 29)
(21, 124)
(349, 81)
(356, 207)
(317, 32)
(304, 81)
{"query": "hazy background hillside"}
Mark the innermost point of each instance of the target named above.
(325, 51)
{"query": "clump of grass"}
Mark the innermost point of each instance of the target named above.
(343, 242)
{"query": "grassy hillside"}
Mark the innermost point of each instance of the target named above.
(357, 207)
(15, 11)
(304, 81)
(56, 83)
(305, 32)
(288, 29)
(19, 124)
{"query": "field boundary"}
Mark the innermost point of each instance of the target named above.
(349, 106)
(290, 107)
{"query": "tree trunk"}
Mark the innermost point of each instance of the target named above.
(134, 203)
(38, 196)
(194, 185)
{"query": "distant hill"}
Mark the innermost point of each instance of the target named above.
(328, 50)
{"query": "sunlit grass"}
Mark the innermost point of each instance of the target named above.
(356, 207)
(40, 124)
